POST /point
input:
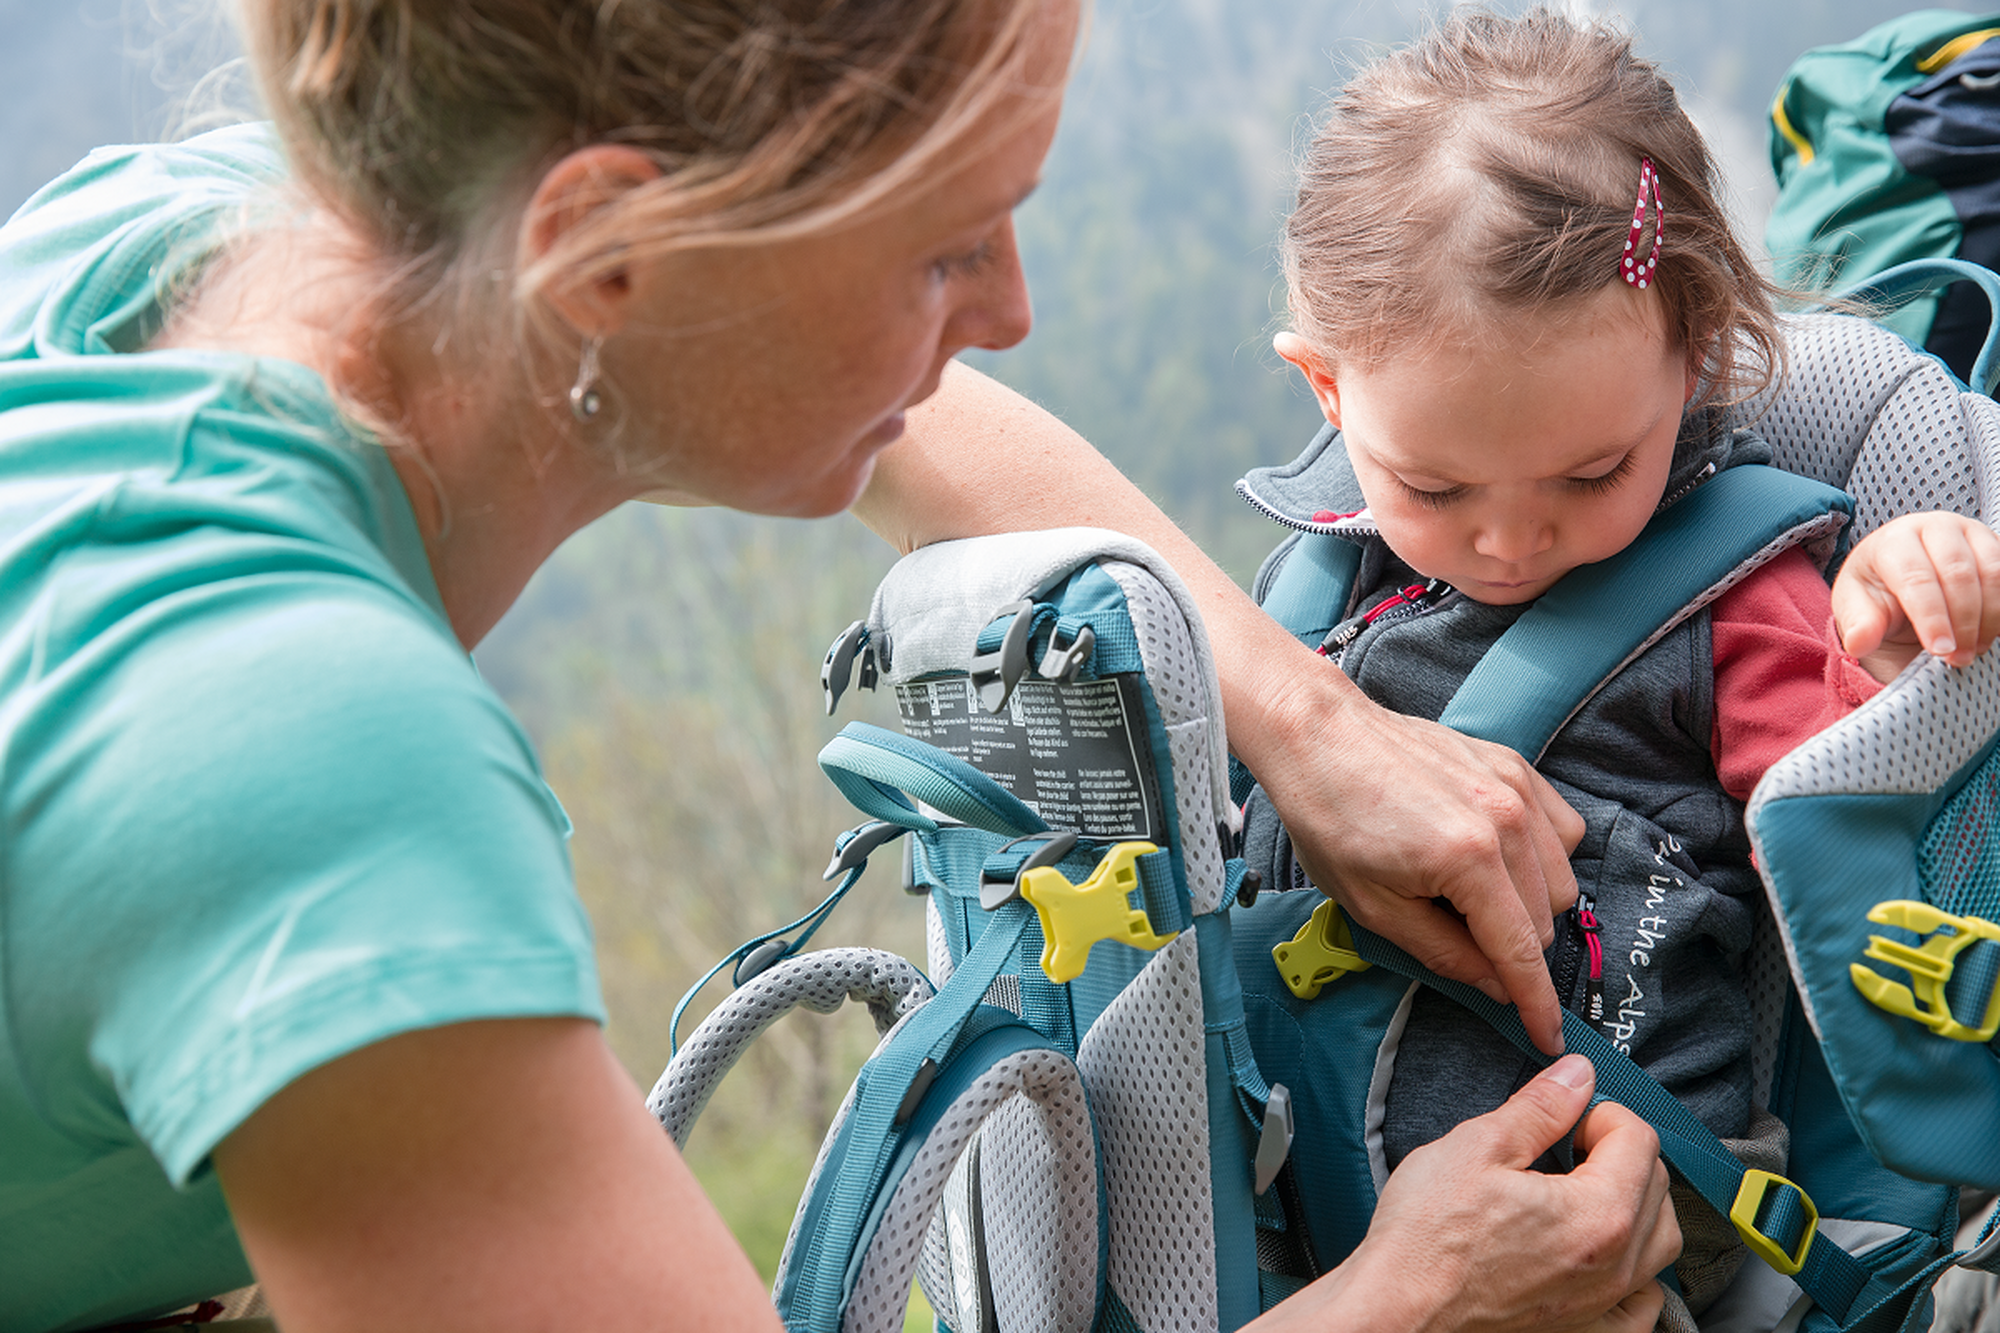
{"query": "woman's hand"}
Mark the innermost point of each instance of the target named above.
(1467, 1238)
(1395, 816)
(1920, 583)
(1389, 813)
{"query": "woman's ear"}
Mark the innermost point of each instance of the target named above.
(1313, 366)
(569, 195)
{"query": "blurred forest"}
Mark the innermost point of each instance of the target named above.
(666, 662)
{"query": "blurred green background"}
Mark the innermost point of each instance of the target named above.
(666, 662)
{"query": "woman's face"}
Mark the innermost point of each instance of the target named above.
(776, 374)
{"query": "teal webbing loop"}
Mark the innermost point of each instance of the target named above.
(1923, 275)
(1834, 1279)
(1310, 591)
(812, 921)
(874, 767)
(1581, 631)
(871, 1132)
(1167, 906)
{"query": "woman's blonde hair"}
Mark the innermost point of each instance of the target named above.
(420, 120)
(1489, 170)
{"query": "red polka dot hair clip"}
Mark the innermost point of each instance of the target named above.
(1635, 271)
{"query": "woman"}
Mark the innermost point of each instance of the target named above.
(288, 416)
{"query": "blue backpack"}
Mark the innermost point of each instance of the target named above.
(1108, 1106)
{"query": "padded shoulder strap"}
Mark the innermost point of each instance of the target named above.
(1583, 631)
(1309, 591)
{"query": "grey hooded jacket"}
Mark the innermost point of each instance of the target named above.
(1664, 866)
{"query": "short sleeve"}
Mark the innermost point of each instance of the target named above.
(267, 822)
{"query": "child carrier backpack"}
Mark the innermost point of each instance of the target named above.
(1064, 1135)
(1134, 1091)
(1887, 149)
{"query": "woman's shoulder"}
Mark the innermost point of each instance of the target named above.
(84, 261)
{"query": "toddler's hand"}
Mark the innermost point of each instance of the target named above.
(1920, 583)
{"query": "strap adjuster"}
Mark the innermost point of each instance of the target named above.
(1000, 881)
(1321, 952)
(1076, 916)
(1929, 963)
(1750, 1203)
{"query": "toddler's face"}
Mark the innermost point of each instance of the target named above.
(1501, 468)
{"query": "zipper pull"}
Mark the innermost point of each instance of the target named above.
(1336, 640)
(1593, 930)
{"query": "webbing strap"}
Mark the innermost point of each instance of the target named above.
(1580, 632)
(1922, 275)
(871, 1132)
(874, 767)
(1310, 591)
(1835, 1279)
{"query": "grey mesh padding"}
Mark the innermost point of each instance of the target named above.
(1184, 688)
(1763, 1300)
(1143, 1064)
(1767, 977)
(937, 945)
(820, 980)
(1862, 409)
(819, 1162)
(1065, 1260)
(935, 601)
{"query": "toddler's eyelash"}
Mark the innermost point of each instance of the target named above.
(1609, 481)
(1431, 499)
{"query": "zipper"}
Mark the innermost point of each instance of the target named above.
(1579, 956)
(1323, 522)
(1402, 604)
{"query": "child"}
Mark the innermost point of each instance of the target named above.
(1523, 370)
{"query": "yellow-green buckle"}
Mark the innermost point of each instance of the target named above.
(1076, 916)
(1322, 951)
(1929, 965)
(1749, 1200)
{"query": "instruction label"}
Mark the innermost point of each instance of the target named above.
(1078, 755)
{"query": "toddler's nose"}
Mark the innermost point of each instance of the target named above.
(1514, 537)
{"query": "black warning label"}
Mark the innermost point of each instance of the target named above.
(1077, 755)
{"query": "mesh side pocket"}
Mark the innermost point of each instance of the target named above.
(1959, 858)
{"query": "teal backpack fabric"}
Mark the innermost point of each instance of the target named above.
(1887, 149)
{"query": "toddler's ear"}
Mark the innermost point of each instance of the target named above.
(1319, 378)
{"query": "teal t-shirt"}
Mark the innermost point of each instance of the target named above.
(257, 808)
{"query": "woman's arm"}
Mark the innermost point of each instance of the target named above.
(505, 1175)
(489, 1176)
(1387, 812)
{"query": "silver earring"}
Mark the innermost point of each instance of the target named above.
(585, 400)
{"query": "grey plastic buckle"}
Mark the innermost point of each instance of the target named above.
(761, 959)
(996, 893)
(837, 670)
(855, 846)
(1274, 1144)
(995, 674)
(1066, 664)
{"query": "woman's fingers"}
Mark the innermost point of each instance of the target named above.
(1429, 819)
(1502, 1247)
